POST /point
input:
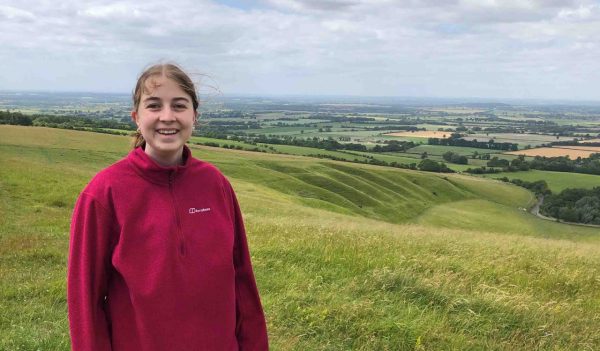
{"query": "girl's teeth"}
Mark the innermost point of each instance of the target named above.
(167, 131)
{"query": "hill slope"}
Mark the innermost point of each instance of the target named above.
(346, 256)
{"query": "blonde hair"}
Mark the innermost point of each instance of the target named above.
(168, 70)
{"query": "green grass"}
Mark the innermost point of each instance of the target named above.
(392, 157)
(308, 151)
(557, 181)
(461, 269)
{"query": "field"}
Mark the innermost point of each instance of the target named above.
(518, 138)
(590, 141)
(573, 153)
(585, 148)
(346, 256)
(557, 181)
(422, 134)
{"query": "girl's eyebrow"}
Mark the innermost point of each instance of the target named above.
(154, 98)
(151, 98)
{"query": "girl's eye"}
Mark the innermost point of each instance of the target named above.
(180, 106)
(153, 106)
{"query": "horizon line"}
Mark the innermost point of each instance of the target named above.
(463, 99)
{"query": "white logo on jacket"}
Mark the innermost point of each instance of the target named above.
(194, 210)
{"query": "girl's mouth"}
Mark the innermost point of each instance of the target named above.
(167, 131)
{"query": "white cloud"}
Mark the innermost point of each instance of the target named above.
(9, 13)
(374, 47)
(314, 5)
(111, 11)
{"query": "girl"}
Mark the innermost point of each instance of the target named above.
(158, 258)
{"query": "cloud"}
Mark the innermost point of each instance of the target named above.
(9, 13)
(313, 5)
(117, 11)
(370, 47)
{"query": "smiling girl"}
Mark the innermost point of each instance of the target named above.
(158, 257)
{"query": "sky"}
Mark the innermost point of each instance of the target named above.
(537, 49)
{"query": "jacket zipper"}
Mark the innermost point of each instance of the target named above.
(181, 242)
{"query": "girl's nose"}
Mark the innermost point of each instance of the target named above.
(167, 115)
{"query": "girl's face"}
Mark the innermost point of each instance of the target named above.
(165, 117)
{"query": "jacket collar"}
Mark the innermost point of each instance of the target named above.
(147, 168)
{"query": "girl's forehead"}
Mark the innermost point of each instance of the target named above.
(159, 85)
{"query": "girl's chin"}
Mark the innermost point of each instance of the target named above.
(165, 148)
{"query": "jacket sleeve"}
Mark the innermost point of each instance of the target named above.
(251, 329)
(87, 275)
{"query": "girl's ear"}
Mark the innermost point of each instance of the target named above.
(134, 116)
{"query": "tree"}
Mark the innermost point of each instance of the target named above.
(519, 163)
(433, 166)
(568, 214)
(496, 162)
(455, 158)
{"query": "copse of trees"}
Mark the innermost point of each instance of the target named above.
(394, 146)
(574, 205)
(573, 143)
(519, 164)
(65, 122)
(539, 187)
(15, 118)
(453, 157)
(498, 162)
(589, 165)
(457, 141)
(354, 147)
(433, 166)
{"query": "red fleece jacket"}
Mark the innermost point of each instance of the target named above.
(158, 260)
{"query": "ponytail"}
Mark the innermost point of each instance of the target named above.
(138, 140)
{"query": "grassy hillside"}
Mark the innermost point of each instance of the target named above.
(346, 256)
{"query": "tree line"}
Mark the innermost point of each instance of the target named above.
(455, 140)
(64, 122)
(574, 205)
(570, 205)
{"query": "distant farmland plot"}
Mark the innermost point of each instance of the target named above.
(441, 149)
(590, 141)
(586, 148)
(557, 181)
(422, 134)
(572, 151)
(458, 110)
(517, 138)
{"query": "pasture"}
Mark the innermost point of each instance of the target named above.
(518, 138)
(557, 181)
(346, 256)
(422, 134)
